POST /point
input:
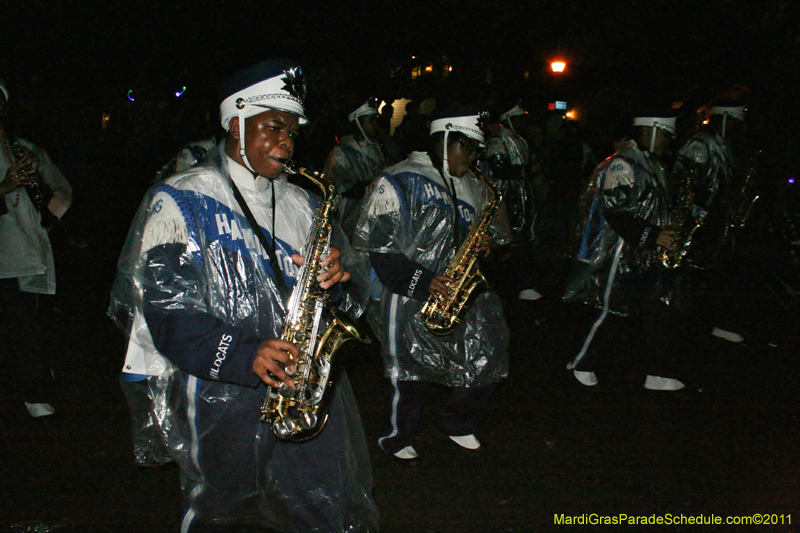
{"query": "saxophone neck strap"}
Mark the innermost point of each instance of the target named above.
(449, 183)
(273, 256)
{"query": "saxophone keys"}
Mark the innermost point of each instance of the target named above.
(308, 420)
(284, 428)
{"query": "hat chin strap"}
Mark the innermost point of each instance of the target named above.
(363, 134)
(241, 143)
(445, 163)
(652, 138)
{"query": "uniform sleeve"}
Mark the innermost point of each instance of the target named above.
(196, 342)
(401, 275)
(175, 306)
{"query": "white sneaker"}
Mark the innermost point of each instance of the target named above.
(529, 294)
(586, 378)
(727, 335)
(37, 410)
(469, 442)
(659, 383)
(406, 453)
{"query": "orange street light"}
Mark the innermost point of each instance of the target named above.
(558, 66)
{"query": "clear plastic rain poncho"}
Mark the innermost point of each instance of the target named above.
(507, 149)
(713, 156)
(26, 251)
(615, 257)
(410, 211)
(350, 163)
(191, 254)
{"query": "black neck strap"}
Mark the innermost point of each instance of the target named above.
(451, 189)
(273, 256)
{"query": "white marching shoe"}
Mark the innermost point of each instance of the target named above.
(659, 383)
(406, 453)
(727, 335)
(529, 294)
(470, 442)
(586, 378)
(38, 410)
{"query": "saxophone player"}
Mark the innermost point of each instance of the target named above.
(418, 214)
(715, 152)
(205, 295)
(34, 194)
(626, 227)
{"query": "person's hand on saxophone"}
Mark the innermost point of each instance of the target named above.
(274, 362)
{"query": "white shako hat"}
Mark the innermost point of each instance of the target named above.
(370, 107)
(728, 112)
(513, 112)
(466, 120)
(735, 112)
(274, 84)
(662, 120)
(665, 123)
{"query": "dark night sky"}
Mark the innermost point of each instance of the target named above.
(84, 52)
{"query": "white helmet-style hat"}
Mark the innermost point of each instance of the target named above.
(663, 122)
(468, 121)
(515, 111)
(729, 112)
(275, 84)
(368, 108)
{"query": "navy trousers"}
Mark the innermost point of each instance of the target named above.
(462, 415)
(20, 312)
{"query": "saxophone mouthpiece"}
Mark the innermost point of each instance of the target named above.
(288, 165)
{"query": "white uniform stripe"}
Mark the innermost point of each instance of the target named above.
(393, 326)
(395, 372)
(604, 313)
(194, 450)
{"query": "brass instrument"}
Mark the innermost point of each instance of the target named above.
(299, 412)
(743, 199)
(441, 314)
(682, 220)
(32, 186)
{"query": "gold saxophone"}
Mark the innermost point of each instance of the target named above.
(682, 221)
(441, 314)
(745, 196)
(299, 412)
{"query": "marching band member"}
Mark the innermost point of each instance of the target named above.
(418, 213)
(34, 195)
(354, 162)
(622, 277)
(202, 297)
